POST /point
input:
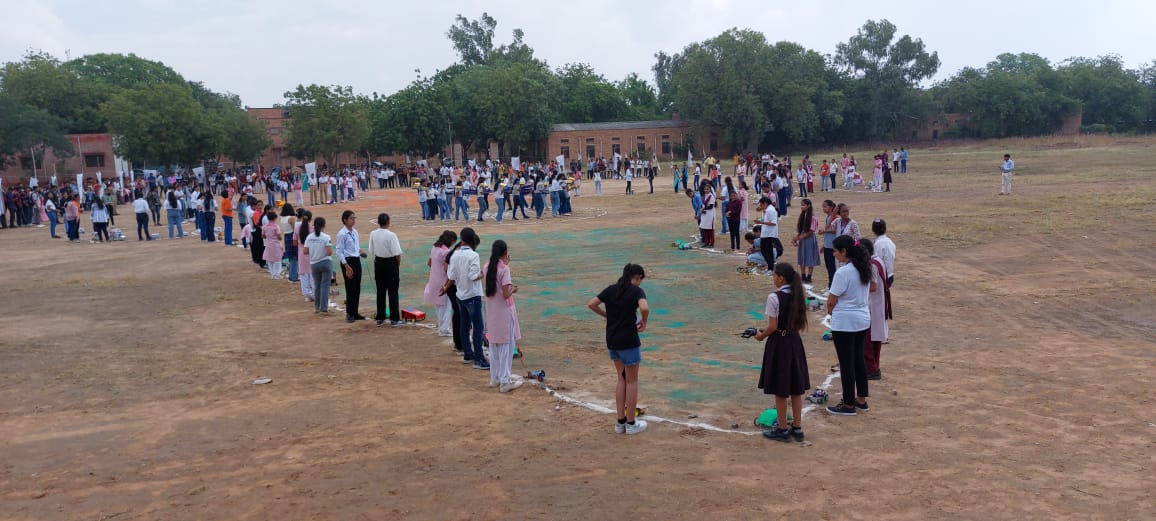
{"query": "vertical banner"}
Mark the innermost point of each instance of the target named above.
(79, 183)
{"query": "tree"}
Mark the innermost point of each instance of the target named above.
(640, 97)
(123, 71)
(585, 96)
(157, 124)
(42, 81)
(245, 137)
(325, 121)
(412, 120)
(473, 39)
(888, 68)
(1110, 94)
(24, 129)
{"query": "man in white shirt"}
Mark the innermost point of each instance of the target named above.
(465, 273)
(386, 251)
(349, 253)
(769, 244)
(1007, 168)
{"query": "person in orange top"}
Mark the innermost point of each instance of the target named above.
(227, 217)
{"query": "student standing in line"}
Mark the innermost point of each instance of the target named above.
(274, 249)
(386, 251)
(140, 206)
(437, 280)
(623, 300)
(706, 218)
(209, 217)
(349, 253)
(828, 232)
(465, 273)
(847, 303)
(305, 267)
(319, 248)
(808, 245)
(784, 373)
(501, 318)
(99, 216)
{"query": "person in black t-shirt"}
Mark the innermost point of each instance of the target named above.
(623, 299)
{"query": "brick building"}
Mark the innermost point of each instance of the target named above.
(629, 138)
(90, 154)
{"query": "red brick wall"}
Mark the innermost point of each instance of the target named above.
(604, 140)
(67, 164)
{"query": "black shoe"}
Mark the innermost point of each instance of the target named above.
(841, 409)
(350, 319)
(797, 433)
(380, 323)
(777, 434)
(359, 317)
(862, 407)
(877, 375)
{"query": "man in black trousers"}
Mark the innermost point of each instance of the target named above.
(386, 251)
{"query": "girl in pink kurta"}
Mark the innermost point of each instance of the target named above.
(437, 280)
(304, 273)
(274, 245)
(501, 318)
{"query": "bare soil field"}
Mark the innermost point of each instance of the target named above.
(1016, 384)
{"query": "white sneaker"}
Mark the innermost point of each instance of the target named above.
(507, 387)
(619, 428)
(638, 427)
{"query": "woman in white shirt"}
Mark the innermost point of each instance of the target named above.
(99, 215)
(319, 248)
(847, 302)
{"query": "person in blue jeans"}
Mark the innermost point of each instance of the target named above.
(626, 312)
(173, 213)
(500, 200)
(464, 273)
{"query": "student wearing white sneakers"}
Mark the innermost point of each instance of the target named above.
(622, 300)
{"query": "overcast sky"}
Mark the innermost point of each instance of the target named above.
(259, 49)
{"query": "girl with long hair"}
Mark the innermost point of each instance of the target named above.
(274, 249)
(784, 372)
(319, 247)
(99, 218)
(806, 241)
(877, 306)
(465, 273)
(847, 303)
(437, 279)
(706, 217)
(305, 271)
(501, 318)
(623, 300)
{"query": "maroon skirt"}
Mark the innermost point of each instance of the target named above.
(784, 366)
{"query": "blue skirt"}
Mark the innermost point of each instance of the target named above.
(809, 251)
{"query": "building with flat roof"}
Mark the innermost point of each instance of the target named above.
(642, 139)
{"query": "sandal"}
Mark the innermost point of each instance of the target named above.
(835, 368)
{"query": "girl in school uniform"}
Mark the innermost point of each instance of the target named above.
(785, 373)
(437, 280)
(501, 318)
(274, 249)
(877, 306)
(806, 241)
(706, 218)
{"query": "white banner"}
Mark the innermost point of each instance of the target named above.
(99, 178)
(199, 171)
(311, 169)
(516, 163)
(79, 183)
(561, 160)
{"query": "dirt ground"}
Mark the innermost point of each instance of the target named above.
(1016, 383)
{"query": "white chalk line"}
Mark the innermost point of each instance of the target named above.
(648, 417)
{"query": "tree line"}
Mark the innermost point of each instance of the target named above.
(756, 93)
(155, 116)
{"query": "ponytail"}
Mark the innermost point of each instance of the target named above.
(318, 225)
(629, 271)
(856, 255)
(794, 318)
(496, 253)
(303, 232)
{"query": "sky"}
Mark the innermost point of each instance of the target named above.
(258, 49)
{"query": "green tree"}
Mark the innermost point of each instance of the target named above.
(25, 129)
(42, 81)
(473, 39)
(585, 96)
(412, 120)
(245, 136)
(123, 71)
(325, 121)
(157, 124)
(889, 70)
(640, 97)
(1110, 94)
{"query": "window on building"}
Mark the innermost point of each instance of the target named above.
(274, 131)
(565, 141)
(615, 148)
(589, 140)
(566, 152)
(713, 143)
(589, 151)
(666, 147)
(641, 147)
(94, 160)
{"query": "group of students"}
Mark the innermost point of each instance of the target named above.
(449, 196)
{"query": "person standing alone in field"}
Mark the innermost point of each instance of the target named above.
(1006, 168)
(623, 299)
